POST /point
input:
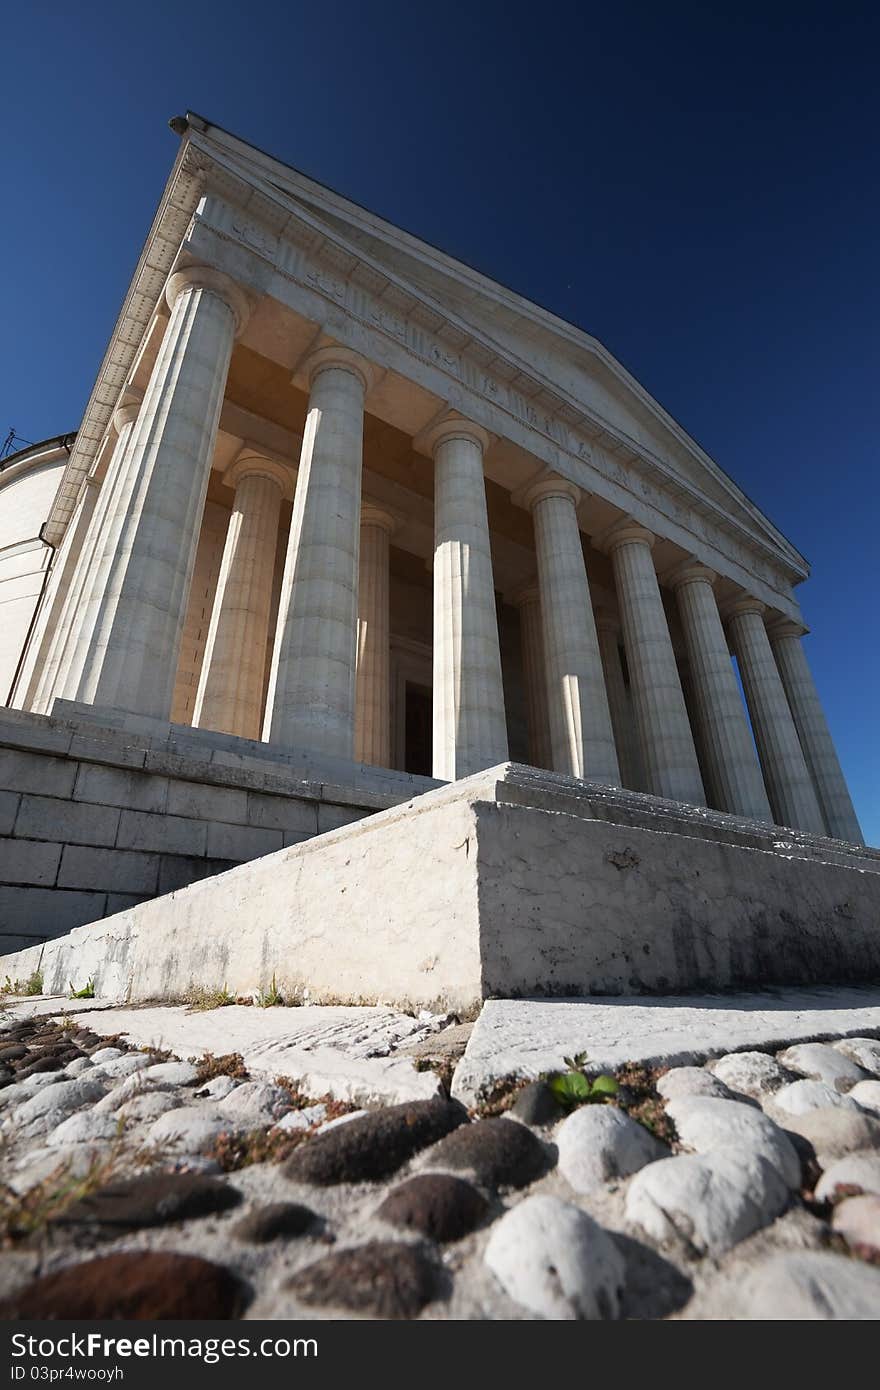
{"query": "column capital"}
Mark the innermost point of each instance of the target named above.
(335, 356)
(205, 277)
(451, 426)
(373, 515)
(625, 532)
(547, 485)
(780, 626)
(743, 605)
(689, 572)
(250, 462)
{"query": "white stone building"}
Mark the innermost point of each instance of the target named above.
(341, 496)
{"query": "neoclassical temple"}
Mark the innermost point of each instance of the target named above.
(336, 491)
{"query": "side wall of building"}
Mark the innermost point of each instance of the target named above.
(26, 496)
(94, 820)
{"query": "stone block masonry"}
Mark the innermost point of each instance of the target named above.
(538, 884)
(95, 819)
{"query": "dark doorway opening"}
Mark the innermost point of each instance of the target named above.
(418, 729)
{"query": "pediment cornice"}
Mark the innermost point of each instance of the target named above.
(286, 232)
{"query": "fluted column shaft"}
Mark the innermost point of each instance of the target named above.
(665, 739)
(581, 735)
(44, 664)
(470, 731)
(312, 680)
(134, 603)
(732, 771)
(534, 677)
(372, 723)
(229, 697)
(619, 703)
(786, 775)
(51, 678)
(814, 735)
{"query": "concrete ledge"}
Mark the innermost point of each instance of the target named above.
(509, 883)
(525, 1038)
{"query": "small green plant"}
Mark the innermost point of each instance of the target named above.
(32, 985)
(87, 991)
(8, 986)
(573, 1087)
(268, 998)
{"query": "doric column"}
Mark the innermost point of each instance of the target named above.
(619, 702)
(528, 601)
(68, 628)
(134, 607)
(470, 731)
(230, 691)
(665, 739)
(786, 776)
(372, 721)
(581, 735)
(311, 686)
(813, 732)
(731, 764)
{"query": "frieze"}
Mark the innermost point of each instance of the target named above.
(423, 342)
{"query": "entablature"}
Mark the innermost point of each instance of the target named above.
(214, 212)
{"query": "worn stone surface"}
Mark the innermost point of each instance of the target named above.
(254, 1103)
(556, 1261)
(271, 1222)
(528, 1037)
(499, 1153)
(812, 1286)
(148, 1106)
(867, 1095)
(374, 1145)
(46, 1109)
(83, 1127)
(822, 1063)
(857, 1219)
(692, 1081)
(381, 1279)
(834, 1132)
(708, 1202)
(152, 1200)
(437, 1206)
(141, 1285)
(750, 1073)
(187, 1130)
(857, 1170)
(710, 1126)
(799, 1097)
(599, 1142)
(865, 1052)
(536, 1105)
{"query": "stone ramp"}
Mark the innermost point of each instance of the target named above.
(525, 1038)
(509, 883)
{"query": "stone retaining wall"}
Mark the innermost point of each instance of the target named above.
(94, 820)
(508, 883)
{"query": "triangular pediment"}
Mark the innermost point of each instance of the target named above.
(558, 355)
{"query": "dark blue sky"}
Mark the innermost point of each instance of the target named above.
(695, 185)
